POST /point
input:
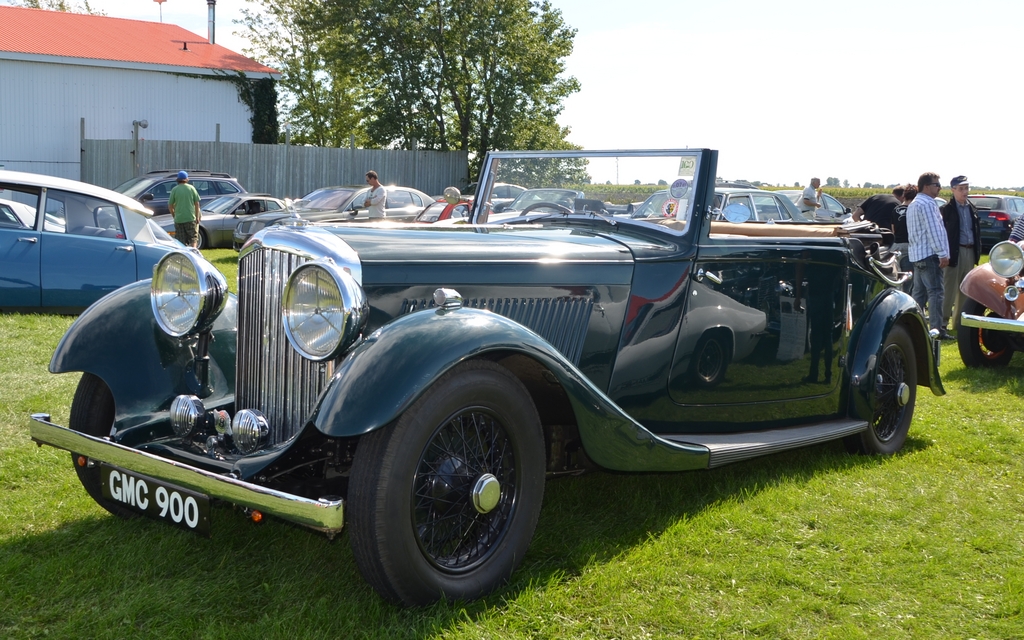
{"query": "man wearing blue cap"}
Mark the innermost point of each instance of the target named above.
(183, 203)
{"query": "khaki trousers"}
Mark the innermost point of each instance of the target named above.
(952, 277)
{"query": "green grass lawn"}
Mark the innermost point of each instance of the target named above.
(812, 543)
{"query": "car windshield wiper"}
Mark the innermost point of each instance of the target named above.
(564, 216)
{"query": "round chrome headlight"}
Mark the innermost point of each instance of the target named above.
(187, 293)
(1007, 259)
(324, 309)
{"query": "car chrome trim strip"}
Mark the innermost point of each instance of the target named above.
(727, 448)
(991, 322)
(322, 515)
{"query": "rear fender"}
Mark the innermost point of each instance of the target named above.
(384, 375)
(890, 308)
(118, 340)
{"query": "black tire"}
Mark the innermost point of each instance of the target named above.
(92, 413)
(477, 418)
(202, 242)
(890, 421)
(710, 360)
(982, 347)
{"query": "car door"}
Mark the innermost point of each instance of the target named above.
(761, 331)
(84, 252)
(155, 198)
(832, 208)
(403, 204)
(19, 248)
(222, 225)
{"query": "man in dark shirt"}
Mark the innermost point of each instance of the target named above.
(878, 209)
(901, 239)
(963, 229)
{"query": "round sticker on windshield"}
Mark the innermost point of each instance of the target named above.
(679, 188)
(670, 207)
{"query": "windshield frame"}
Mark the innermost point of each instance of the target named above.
(682, 171)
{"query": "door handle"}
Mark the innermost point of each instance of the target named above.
(125, 247)
(701, 274)
(28, 239)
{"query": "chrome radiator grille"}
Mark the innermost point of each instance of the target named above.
(561, 321)
(270, 376)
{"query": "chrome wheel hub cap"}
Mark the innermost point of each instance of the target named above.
(903, 394)
(486, 493)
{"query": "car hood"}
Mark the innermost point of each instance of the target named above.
(469, 245)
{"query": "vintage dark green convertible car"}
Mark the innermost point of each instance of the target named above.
(427, 381)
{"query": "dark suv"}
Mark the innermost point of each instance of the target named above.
(997, 213)
(153, 188)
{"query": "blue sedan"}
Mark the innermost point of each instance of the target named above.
(88, 242)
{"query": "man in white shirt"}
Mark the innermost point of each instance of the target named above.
(376, 197)
(929, 250)
(810, 201)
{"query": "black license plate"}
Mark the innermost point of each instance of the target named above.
(157, 499)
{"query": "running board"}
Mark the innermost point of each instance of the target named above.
(727, 448)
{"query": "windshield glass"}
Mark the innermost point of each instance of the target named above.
(599, 182)
(432, 212)
(223, 205)
(988, 203)
(653, 207)
(325, 199)
(132, 188)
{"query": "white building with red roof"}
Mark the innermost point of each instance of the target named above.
(57, 68)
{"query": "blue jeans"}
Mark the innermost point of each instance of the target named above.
(928, 283)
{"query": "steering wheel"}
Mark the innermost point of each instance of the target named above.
(551, 205)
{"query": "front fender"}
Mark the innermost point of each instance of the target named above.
(118, 340)
(987, 287)
(383, 376)
(888, 309)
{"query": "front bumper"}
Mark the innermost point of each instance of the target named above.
(323, 515)
(992, 323)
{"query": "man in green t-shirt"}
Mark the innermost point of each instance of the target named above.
(184, 205)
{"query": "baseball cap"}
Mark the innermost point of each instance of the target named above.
(959, 180)
(182, 175)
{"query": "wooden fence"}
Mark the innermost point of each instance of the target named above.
(284, 171)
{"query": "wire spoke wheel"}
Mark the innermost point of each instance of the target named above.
(889, 410)
(982, 347)
(452, 531)
(892, 399)
(444, 501)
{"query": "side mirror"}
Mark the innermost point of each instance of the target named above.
(498, 208)
(146, 197)
(630, 208)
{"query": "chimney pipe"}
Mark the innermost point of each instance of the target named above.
(211, 5)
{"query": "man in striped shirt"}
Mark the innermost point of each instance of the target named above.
(929, 249)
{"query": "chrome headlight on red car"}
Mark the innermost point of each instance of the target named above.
(1007, 259)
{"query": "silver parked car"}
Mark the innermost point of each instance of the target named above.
(220, 217)
(831, 209)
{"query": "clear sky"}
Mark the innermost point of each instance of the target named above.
(865, 90)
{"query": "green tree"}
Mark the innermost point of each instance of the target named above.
(472, 75)
(831, 182)
(321, 94)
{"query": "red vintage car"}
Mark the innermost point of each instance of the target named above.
(992, 316)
